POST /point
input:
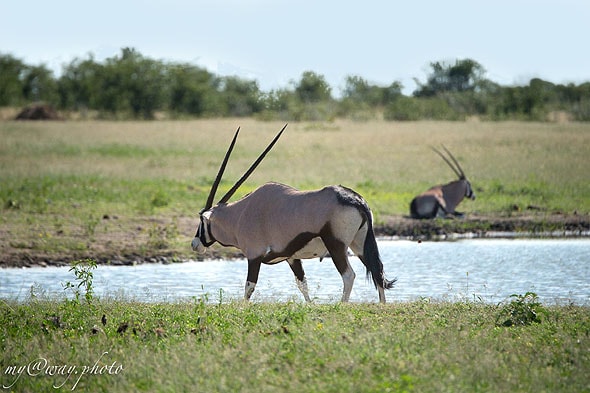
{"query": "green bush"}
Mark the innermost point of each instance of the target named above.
(522, 310)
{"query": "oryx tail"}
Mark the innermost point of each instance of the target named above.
(371, 257)
(373, 260)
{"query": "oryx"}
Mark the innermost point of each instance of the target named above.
(277, 223)
(441, 200)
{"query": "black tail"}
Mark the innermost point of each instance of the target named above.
(372, 260)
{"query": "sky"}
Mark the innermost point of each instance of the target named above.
(275, 41)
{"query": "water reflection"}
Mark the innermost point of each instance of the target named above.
(481, 270)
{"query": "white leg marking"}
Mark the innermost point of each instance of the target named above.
(249, 289)
(302, 285)
(381, 294)
(348, 279)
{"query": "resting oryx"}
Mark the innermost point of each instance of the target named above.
(441, 200)
(276, 222)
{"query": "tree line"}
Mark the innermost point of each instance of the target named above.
(130, 85)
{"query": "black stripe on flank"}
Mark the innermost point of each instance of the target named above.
(292, 247)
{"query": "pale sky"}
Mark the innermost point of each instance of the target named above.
(274, 42)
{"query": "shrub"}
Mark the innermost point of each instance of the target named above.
(521, 311)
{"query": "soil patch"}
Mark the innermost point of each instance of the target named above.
(38, 112)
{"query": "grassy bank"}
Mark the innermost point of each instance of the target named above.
(126, 190)
(203, 347)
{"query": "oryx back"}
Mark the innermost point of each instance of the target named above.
(277, 221)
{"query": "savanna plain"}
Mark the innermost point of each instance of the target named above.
(130, 192)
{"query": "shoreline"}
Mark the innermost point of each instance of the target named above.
(391, 228)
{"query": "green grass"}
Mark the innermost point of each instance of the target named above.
(81, 189)
(508, 163)
(197, 346)
(92, 186)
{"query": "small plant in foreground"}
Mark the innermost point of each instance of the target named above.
(83, 272)
(521, 311)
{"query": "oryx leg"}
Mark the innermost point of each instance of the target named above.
(252, 278)
(441, 208)
(338, 252)
(297, 269)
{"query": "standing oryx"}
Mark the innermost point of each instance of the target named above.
(276, 222)
(441, 200)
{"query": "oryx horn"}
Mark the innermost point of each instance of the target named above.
(456, 162)
(220, 173)
(458, 171)
(235, 187)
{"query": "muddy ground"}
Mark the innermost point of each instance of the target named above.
(127, 247)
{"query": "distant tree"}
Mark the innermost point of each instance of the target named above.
(78, 85)
(540, 95)
(12, 71)
(312, 88)
(277, 100)
(404, 109)
(241, 97)
(131, 82)
(191, 89)
(392, 92)
(39, 84)
(578, 98)
(531, 102)
(464, 75)
(358, 90)
(414, 108)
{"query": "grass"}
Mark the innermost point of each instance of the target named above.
(81, 189)
(98, 186)
(391, 162)
(198, 346)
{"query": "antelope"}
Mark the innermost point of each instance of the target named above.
(441, 200)
(276, 223)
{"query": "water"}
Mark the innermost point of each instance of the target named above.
(480, 270)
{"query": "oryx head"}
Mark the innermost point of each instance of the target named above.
(203, 238)
(458, 171)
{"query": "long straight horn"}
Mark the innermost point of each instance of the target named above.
(220, 173)
(447, 161)
(235, 187)
(462, 174)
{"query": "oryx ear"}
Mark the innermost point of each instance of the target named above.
(235, 187)
(220, 173)
(206, 214)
